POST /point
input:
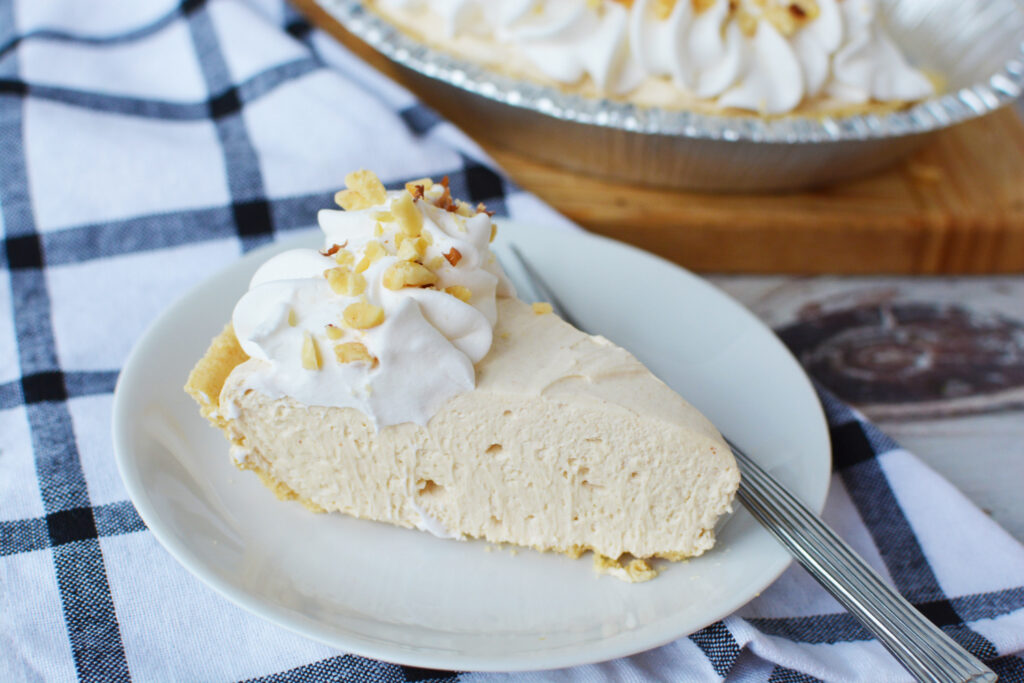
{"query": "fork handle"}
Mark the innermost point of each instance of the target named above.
(920, 646)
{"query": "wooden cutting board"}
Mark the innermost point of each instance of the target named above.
(956, 207)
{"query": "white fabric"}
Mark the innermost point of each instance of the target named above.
(120, 189)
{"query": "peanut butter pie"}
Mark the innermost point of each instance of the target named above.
(767, 57)
(394, 376)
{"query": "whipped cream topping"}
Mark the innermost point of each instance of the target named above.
(765, 56)
(390, 317)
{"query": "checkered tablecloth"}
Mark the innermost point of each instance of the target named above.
(146, 144)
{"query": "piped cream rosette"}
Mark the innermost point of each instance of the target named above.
(390, 317)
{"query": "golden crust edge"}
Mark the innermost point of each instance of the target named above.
(209, 374)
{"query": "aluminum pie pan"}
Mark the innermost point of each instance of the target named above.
(978, 47)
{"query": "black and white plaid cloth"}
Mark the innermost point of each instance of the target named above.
(145, 144)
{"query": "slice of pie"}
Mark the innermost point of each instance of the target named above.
(395, 377)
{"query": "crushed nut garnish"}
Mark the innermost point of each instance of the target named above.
(334, 249)
(383, 216)
(804, 10)
(541, 307)
(353, 352)
(410, 220)
(459, 292)
(453, 256)
(464, 209)
(363, 315)
(343, 281)
(292, 321)
(408, 274)
(663, 8)
(417, 187)
(747, 23)
(787, 16)
(310, 352)
(334, 332)
(364, 191)
(435, 263)
(412, 249)
(378, 230)
(480, 208)
(445, 200)
(781, 19)
(494, 231)
(344, 258)
(373, 251)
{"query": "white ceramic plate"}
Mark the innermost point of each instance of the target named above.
(407, 597)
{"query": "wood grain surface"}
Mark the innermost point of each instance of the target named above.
(974, 438)
(956, 207)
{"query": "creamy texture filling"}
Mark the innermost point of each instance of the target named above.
(765, 56)
(568, 443)
(389, 318)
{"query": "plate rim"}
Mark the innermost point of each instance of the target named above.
(367, 646)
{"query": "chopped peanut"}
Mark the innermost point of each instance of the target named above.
(344, 258)
(804, 10)
(435, 263)
(541, 307)
(444, 201)
(353, 352)
(383, 216)
(410, 220)
(292, 321)
(408, 274)
(464, 209)
(459, 292)
(663, 8)
(334, 332)
(364, 190)
(362, 315)
(310, 353)
(343, 281)
(747, 22)
(373, 252)
(494, 231)
(417, 187)
(453, 256)
(781, 19)
(412, 249)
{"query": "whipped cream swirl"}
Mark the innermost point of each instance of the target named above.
(765, 56)
(390, 317)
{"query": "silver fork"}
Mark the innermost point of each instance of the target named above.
(920, 646)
